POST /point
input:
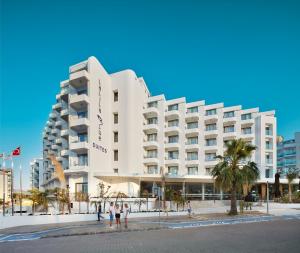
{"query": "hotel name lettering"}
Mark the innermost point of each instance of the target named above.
(100, 122)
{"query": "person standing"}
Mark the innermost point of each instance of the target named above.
(189, 208)
(125, 213)
(99, 212)
(111, 214)
(118, 215)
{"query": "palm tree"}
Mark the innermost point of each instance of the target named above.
(233, 171)
(35, 197)
(291, 175)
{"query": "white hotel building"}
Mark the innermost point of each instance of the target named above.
(108, 128)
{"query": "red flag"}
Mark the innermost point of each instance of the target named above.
(17, 151)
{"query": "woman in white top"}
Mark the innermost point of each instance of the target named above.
(125, 213)
(118, 215)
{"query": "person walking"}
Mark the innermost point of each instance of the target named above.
(99, 212)
(111, 214)
(125, 213)
(118, 215)
(189, 208)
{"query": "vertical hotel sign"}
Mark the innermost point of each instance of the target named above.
(100, 121)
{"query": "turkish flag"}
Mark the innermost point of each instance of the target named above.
(17, 151)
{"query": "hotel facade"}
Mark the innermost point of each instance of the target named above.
(108, 128)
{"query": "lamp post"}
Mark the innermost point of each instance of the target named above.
(267, 197)
(3, 171)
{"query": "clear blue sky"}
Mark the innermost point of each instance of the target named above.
(236, 52)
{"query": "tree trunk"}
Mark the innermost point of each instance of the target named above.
(233, 207)
(290, 193)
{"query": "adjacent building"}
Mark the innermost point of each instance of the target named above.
(5, 184)
(288, 153)
(108, 128)
(36, 179)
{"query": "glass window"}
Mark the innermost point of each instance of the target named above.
(269, 130)
(81, 92)
(192, 140)
(82, 137)
(173, 107)
(173, 123)
(173, 155)
(152, 104)
(192, 156)
(152, 169)
(246, 116)
(82, 160)
(211, 142)
(152, 120)
(173, 170)
(211, 112)
(229, 114)
(192, 109)
(210, 156)
(152, 153)
(116, 136)
(79, 189)
(82, 114)
(246, 130)
(116, 155)
(211, 127)
(192, 125)
(173, 139)
(193, 170)
(116, 96)
(152, 137)
(116, 118)
(228, 129)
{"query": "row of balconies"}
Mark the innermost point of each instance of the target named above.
(175, 162)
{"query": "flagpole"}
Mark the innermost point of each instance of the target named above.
(3, 170)
(21, 190)
(12, 187)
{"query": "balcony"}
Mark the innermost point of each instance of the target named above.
(151, 112)
(151, 128)
(79, 147)
(211, 148)
(54, 147)
(229, 135)
(79, 101)
(209, 119)
(194, 162)
(64, 153)
(247, 136)
(51, 137)
(269, 161)
(150, 144)
(171, 115)
(192, 116)
(79, 79)
(172, 162)
(210, 162)
(192, 147)
(65, 113)
(247, 122)
(151, 160)
(79, 124)
(58, 123)
(77, 169)
(65, 132)
(229, 120)
(57, 106)
(172, 146)
(172, 130)
(55, 131)
(53, 115)
(211, 133)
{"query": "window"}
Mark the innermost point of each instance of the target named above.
(152, 137)
(269, 158)
(207, 171)
(192, 109)
(82, 160)
(116, 155)
(192, 170)
(152, 120)
(211, 142)
(228, 114)
(211, 127)
(82, 114)
(211, 112)
(79, 189)
(152, 169)
(116, 118)
(116, 96)
(192, 140)
(82, 137)
(173, 123)
(246, 116)
(173, 170)
(173, 107)
(116, 136)
(173, 155)
(229, 129)
(116, 170)
(152, 104)
(173, 139)
(192, 125)
(268, 173)
(269, 130)
(269, 145)
(152, 153)
(192, 156)
(210, 157)
(81, 92)
(246, 130)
